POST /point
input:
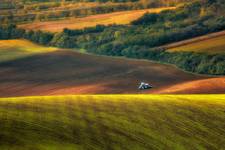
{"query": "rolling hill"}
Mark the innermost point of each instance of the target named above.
(123, 17)
(63, 72)
(110, 122)
(46, 100)
(14, 49)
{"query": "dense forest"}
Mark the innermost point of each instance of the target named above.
(144, 37)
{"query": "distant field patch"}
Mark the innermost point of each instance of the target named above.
(113, 122)
(123, 17)
(211, 44)
(12, 49)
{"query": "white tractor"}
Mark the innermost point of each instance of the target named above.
(144, 86)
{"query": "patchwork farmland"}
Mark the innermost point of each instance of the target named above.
(123, 17)
(69, 83)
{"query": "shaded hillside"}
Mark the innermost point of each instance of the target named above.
(67, 72)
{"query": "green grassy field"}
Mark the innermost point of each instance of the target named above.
(113, 122)
(14, 49)
(215, 45)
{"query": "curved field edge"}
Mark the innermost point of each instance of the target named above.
(113, 122)
(212, 43)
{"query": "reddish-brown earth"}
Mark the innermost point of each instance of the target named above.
(65, 72)
(203, 86)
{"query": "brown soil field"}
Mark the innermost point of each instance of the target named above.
(123, 17)
(213, 84)
(65, 72)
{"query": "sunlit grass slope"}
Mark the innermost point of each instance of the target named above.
(212, 45)
(123, 17)
(12, 49)
(113, 122)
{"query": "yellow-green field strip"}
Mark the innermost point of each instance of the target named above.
(213, 43)
(19, 48)
(113, 122)
(125, 96)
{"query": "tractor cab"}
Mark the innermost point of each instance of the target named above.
(144, 86)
